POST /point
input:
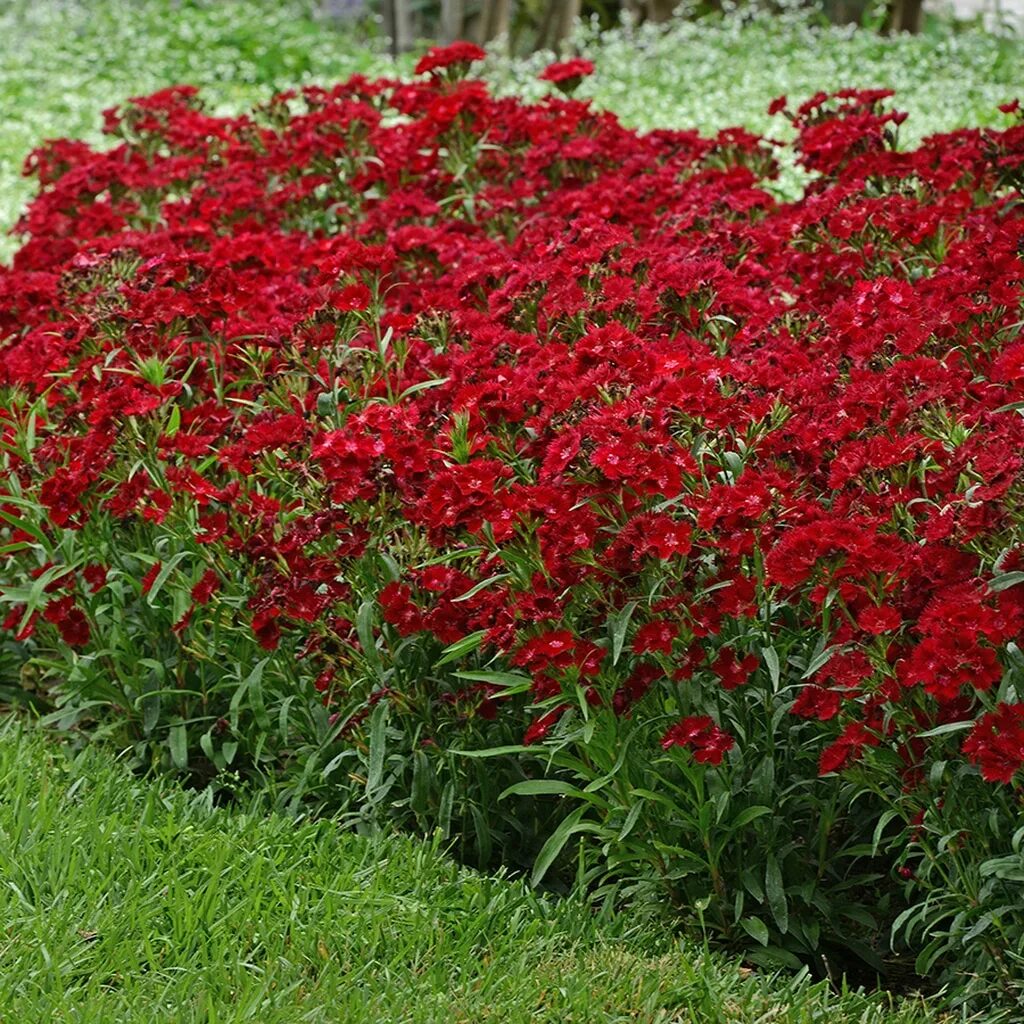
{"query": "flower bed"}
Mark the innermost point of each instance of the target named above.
(421, 449)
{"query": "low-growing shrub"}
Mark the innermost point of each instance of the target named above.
(457, 462)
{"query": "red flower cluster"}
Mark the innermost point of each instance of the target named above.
(456, 55)
(699, 734)
(594, 400)
(996, 743)
(567, 71)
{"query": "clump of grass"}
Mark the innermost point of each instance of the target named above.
(125, 900)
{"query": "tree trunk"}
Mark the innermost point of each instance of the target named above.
(557, 24)
(660, 10)
(452, 16)
(398, 25)
(343, 9)
(497, 19)
(904, 16)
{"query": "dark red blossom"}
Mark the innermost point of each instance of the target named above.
(699, 734)
(567, 74)
(206, 587)
(456, 55)
(996, 743)
(655, 636)
(848, 747)
(150, 577)
(543, 724)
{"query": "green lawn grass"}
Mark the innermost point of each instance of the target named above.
(124, 900)
(63, 61)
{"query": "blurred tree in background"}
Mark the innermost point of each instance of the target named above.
(548, 24)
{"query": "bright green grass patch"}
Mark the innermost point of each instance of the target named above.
(63, 61)
(123, 901)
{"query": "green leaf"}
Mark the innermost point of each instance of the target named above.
(177, 740)
(945, 729)
(820, 660)
(515, 748)
(253, 683)
(460, 648)
(884, 820)
(551, 787)
(480, 586)
(206, 745)
(423, 385)
(378, 743)
(756, 929)
(927, 957)
(555, 842)
(161, 577)
(174, 423)
(771, 659)
(511, 682)
(1004, 581)
(365, 619)
(617, 626)
(631, 819)
(25, 526)
(773, 957)
(750, 814)
(776, 893)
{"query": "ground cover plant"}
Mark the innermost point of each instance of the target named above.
(124, 900)
(458, 462)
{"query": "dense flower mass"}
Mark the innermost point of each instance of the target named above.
(396, 364)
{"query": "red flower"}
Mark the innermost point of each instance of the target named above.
(996, 743)
(731, 671)
(458, 55)
(567, 71)
(699, 734)
(352, 297)
(667, 537)
(208, 584)
(150, 577)
(817, 702)
(541, 726)
(878, 619)
(69, 620)
(96, 577)
(846, 748)
(655, 636)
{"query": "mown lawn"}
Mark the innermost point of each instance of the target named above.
(122, 900)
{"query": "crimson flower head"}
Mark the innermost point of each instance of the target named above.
(777, 105)
(699, 734)
(562, 71)
(541, 726)
(996, 743)
(566, 75)
(457, 55)
(1010, 108)
(150, 578)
